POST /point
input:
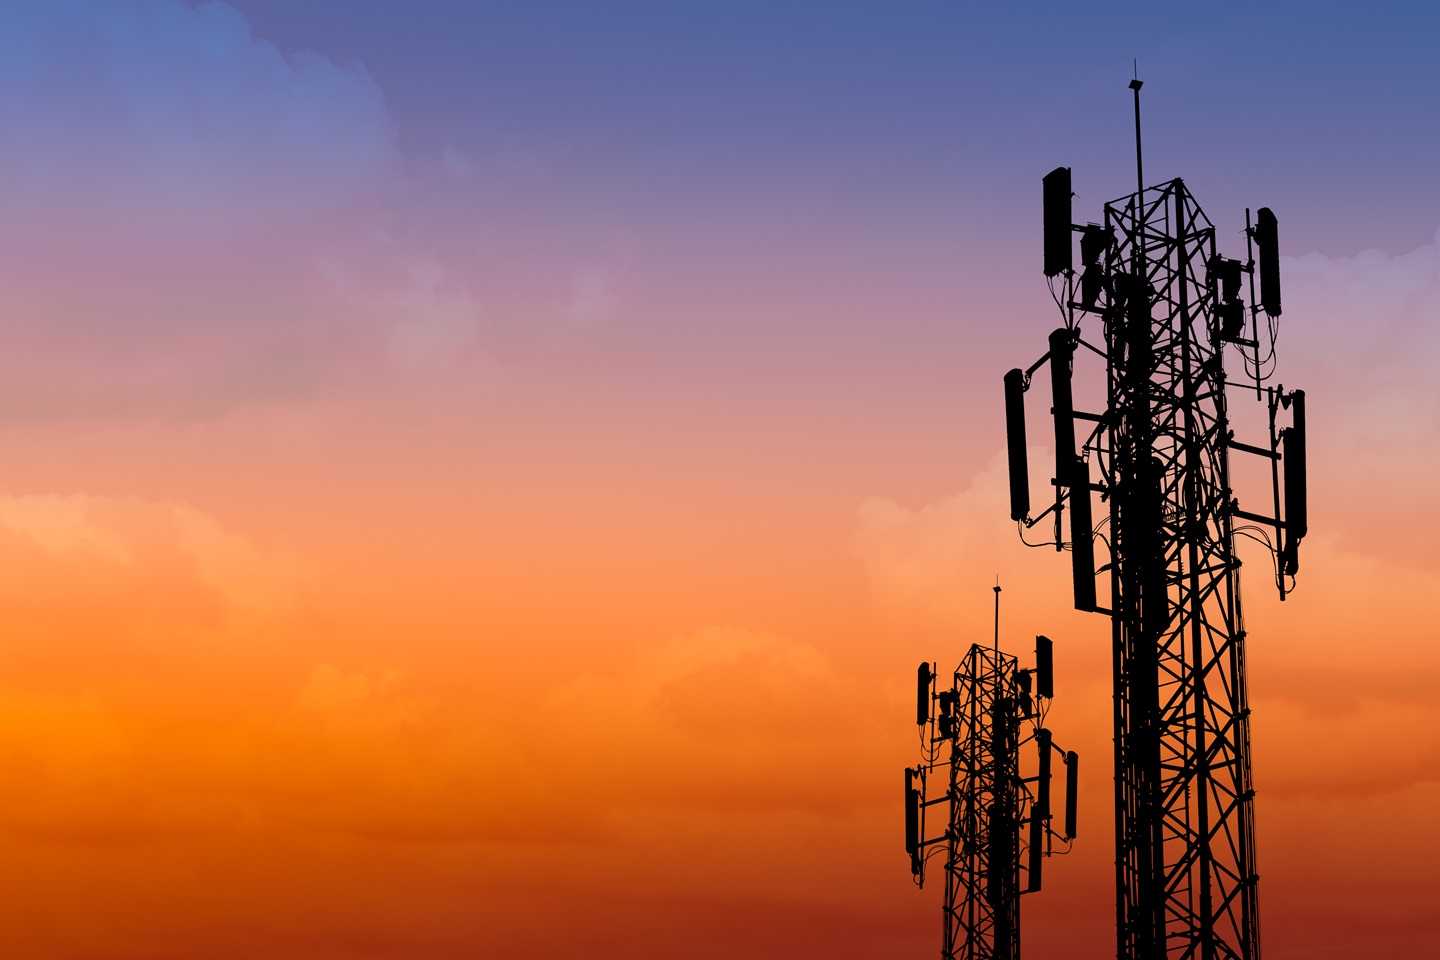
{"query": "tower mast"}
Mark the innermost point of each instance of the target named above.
(1169, 314)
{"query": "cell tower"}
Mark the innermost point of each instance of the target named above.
(997, 829)
(1169, 314)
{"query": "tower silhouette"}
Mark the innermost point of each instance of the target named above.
(1168, 313)
(998, 826)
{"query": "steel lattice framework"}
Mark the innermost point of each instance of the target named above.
(982, 857)
(997, 829)
(1159, 456)
(1184, 813)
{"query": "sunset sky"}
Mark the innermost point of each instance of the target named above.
(477, 478)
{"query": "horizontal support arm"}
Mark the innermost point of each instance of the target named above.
(1248, 448)
(1258, 518)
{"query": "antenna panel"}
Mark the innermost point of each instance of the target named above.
(1082, 539)
(1058, 251)
(1015, 444)
(1062, 349)
(1267, 238)
(1044, 667)
(1072, 789)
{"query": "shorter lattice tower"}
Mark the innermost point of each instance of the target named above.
(998, 825)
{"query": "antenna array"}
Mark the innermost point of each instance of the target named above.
(997, 823)
(1164, 313)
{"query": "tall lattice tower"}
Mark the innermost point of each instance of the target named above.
(997, 826)
(1170, 315)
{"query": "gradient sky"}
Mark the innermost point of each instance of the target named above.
(478, 477)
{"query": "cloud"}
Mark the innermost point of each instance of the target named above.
(197, 221)
(188, 696)
(159, 678)
(134, 552)
(122, 614)
(934, 565)
(732, 720)
(454, 164)
(1360, 333)
(429, 319)
(170, 182)
(176, 114)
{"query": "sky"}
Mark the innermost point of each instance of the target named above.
(476, 479)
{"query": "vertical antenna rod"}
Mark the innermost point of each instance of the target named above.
(1135, 85)
(997, 614)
